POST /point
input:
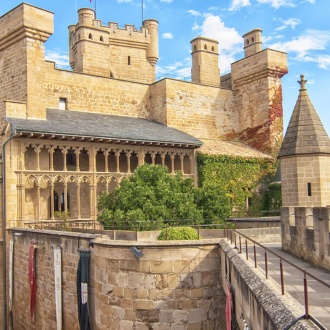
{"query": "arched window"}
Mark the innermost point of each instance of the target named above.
(212, 49)
(90, 36)
(101, 39)
(195, 47)
(252, 39)
(205, 47)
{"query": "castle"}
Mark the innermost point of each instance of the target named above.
(68, 136)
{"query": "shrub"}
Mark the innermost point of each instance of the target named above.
(178, 233)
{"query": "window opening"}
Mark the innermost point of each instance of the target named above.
(62, 103)
(309, 189)
(129, 60)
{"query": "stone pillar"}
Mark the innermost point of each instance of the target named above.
(51, 158)
(78, 201)
(129, 161)
(52, 206)
(38, 200)
(172, 162)
(106, 155)
(64, 152)
(37, 150)
(117, 153)
(65, 196)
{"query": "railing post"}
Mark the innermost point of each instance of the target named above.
(266, 263)
(306, 297)
(246, 248)
(282, 278)
(235, 239)
(240, 243)
(231, 236)
(255, 255)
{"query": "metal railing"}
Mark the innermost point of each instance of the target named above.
(236, 238)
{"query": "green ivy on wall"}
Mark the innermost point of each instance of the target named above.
(243, 179)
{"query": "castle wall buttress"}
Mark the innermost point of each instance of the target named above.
(25, 29)
(257, 81)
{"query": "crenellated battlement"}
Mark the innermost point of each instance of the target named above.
(107, 50)
(305, 233)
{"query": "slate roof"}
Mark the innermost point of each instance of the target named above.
(305, 133)
(95, 125)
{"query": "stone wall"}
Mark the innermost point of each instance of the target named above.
(203, 111)
(257, 80)
(297, 172)
(306, 233)
(256, 300)
(175, 285)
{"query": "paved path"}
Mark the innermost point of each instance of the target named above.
(318, 294)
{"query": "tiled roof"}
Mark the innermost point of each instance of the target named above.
(77, 123)
(305, 133)
(231, 148)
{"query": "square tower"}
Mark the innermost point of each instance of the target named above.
(205, 56)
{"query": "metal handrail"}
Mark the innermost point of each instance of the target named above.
(228, 235)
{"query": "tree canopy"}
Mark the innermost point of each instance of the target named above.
(153, 195)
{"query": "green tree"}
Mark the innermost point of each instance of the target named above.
(151, 194)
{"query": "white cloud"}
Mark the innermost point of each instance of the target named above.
(278, 3)
(306, 45)
(238, 4)
(230, 42)
(168, 1)
(60, 58)
(177, 70)
(291, 22)
(124, 1)
(193, 12)
(323, 61)
(213, 8)
(167, 35)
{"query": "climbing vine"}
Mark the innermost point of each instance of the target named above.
(244, 180)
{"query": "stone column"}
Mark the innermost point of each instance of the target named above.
(91, 201)
(38, 200)
(106, 155)
(129, 161)
(51, 158)
(64, 152)
(78, 201)
(117, 153)
(181, 159)
(172, 162)
(77, 152)
(153, 155)
(52, 207)
(65, 196)
(38, 149)
(163, 159)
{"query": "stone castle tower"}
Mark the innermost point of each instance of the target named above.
(305, 157)
(109, 51)
(205, 66)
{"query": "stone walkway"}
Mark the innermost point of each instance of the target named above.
(318, 294)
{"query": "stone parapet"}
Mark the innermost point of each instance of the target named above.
(174, 285)
(306, 233)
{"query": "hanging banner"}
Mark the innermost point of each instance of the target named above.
(58, 285)
(10, 279)
(32, 279)
(82, 290)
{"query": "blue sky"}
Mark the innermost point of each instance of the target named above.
(299, 27)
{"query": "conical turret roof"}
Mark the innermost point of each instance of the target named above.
(305, 133)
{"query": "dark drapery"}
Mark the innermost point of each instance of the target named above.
(32, 279)
(82, 290)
